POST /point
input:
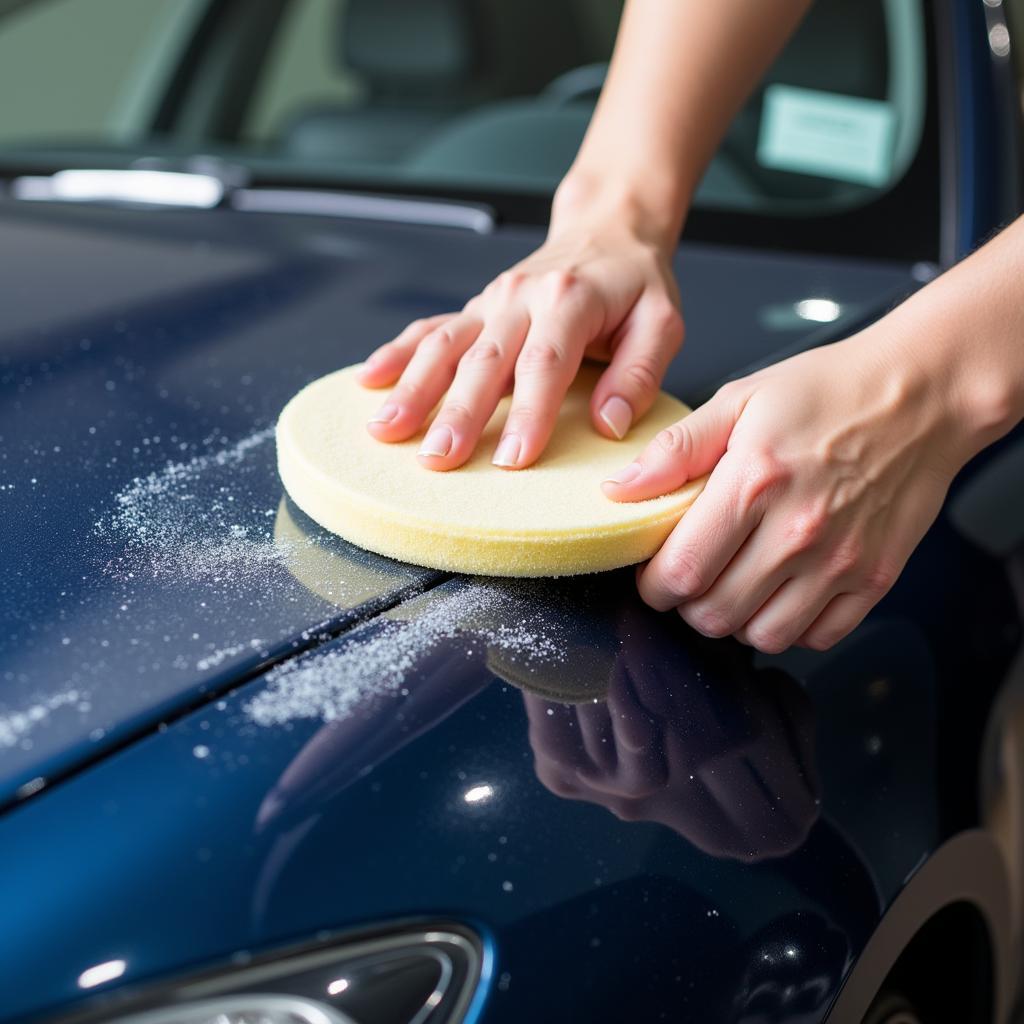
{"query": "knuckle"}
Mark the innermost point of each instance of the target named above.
(643, 374)
(767, 640)
(805, 529)
(560, 282)
(673, 440)
(407, 392)
(510, 280)
(668, 321)
(540, 356)
(845, 558)
(821, 639)
(879, 578)
(521, 417)
(762, 473)
(729, 391)
(707, 619)
(683, 573)
(438, 341)
(455, 412)
(484, 351)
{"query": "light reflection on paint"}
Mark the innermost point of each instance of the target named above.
(822, 311)
(101, 973)
(478, 794)
(999, 40)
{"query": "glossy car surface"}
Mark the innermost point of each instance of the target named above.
(226, 736)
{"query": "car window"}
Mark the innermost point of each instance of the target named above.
(74, 71)
(479, 99)
(301, 71)
(839, 116)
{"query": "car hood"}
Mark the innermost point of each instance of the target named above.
(150, 562)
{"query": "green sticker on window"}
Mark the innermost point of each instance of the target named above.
(824, 133)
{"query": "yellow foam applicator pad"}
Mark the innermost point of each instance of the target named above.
(551, 519)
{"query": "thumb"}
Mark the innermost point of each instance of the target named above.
(688, 449)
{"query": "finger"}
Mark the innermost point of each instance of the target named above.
(744, 585)
(547, 365)
(681, 452)
(474, 394)
(842, 615)
(424, 381)
(384, 365)
(787, 614)
(628, 388)
(706, 539)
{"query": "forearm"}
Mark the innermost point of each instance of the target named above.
(680, 71)
(965, 331)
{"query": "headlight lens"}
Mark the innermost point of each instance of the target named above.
(253, 1009)
(412, 976)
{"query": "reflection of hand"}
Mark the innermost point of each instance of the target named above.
(725, 762)
(599, 290)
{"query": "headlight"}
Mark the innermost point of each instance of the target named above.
(414, 976)
(257, 1008)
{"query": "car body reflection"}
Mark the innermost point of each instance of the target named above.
(636, 713)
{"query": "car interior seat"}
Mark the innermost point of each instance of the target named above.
(423, 62)
(841, 47)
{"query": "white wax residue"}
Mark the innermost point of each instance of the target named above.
(191, 520)
(15, 726)
(222, 654)
(377, 659)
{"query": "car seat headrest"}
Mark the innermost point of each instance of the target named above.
(411, 47)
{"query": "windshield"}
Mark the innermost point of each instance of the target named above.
(473, 99)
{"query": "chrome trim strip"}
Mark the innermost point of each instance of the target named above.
(357, 206)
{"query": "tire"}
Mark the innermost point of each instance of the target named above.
(890, 1007)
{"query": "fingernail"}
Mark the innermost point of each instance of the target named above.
(618, 415)
(507, 453)
(385, 414)
(437, 442)
(625, 476)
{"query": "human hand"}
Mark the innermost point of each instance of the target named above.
(602, 292)
(825, 472)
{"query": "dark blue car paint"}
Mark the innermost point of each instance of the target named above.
(810, 810)
(213, 320)
(173, 861)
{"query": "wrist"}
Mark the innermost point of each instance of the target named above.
(974, 399)
(608, 205)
